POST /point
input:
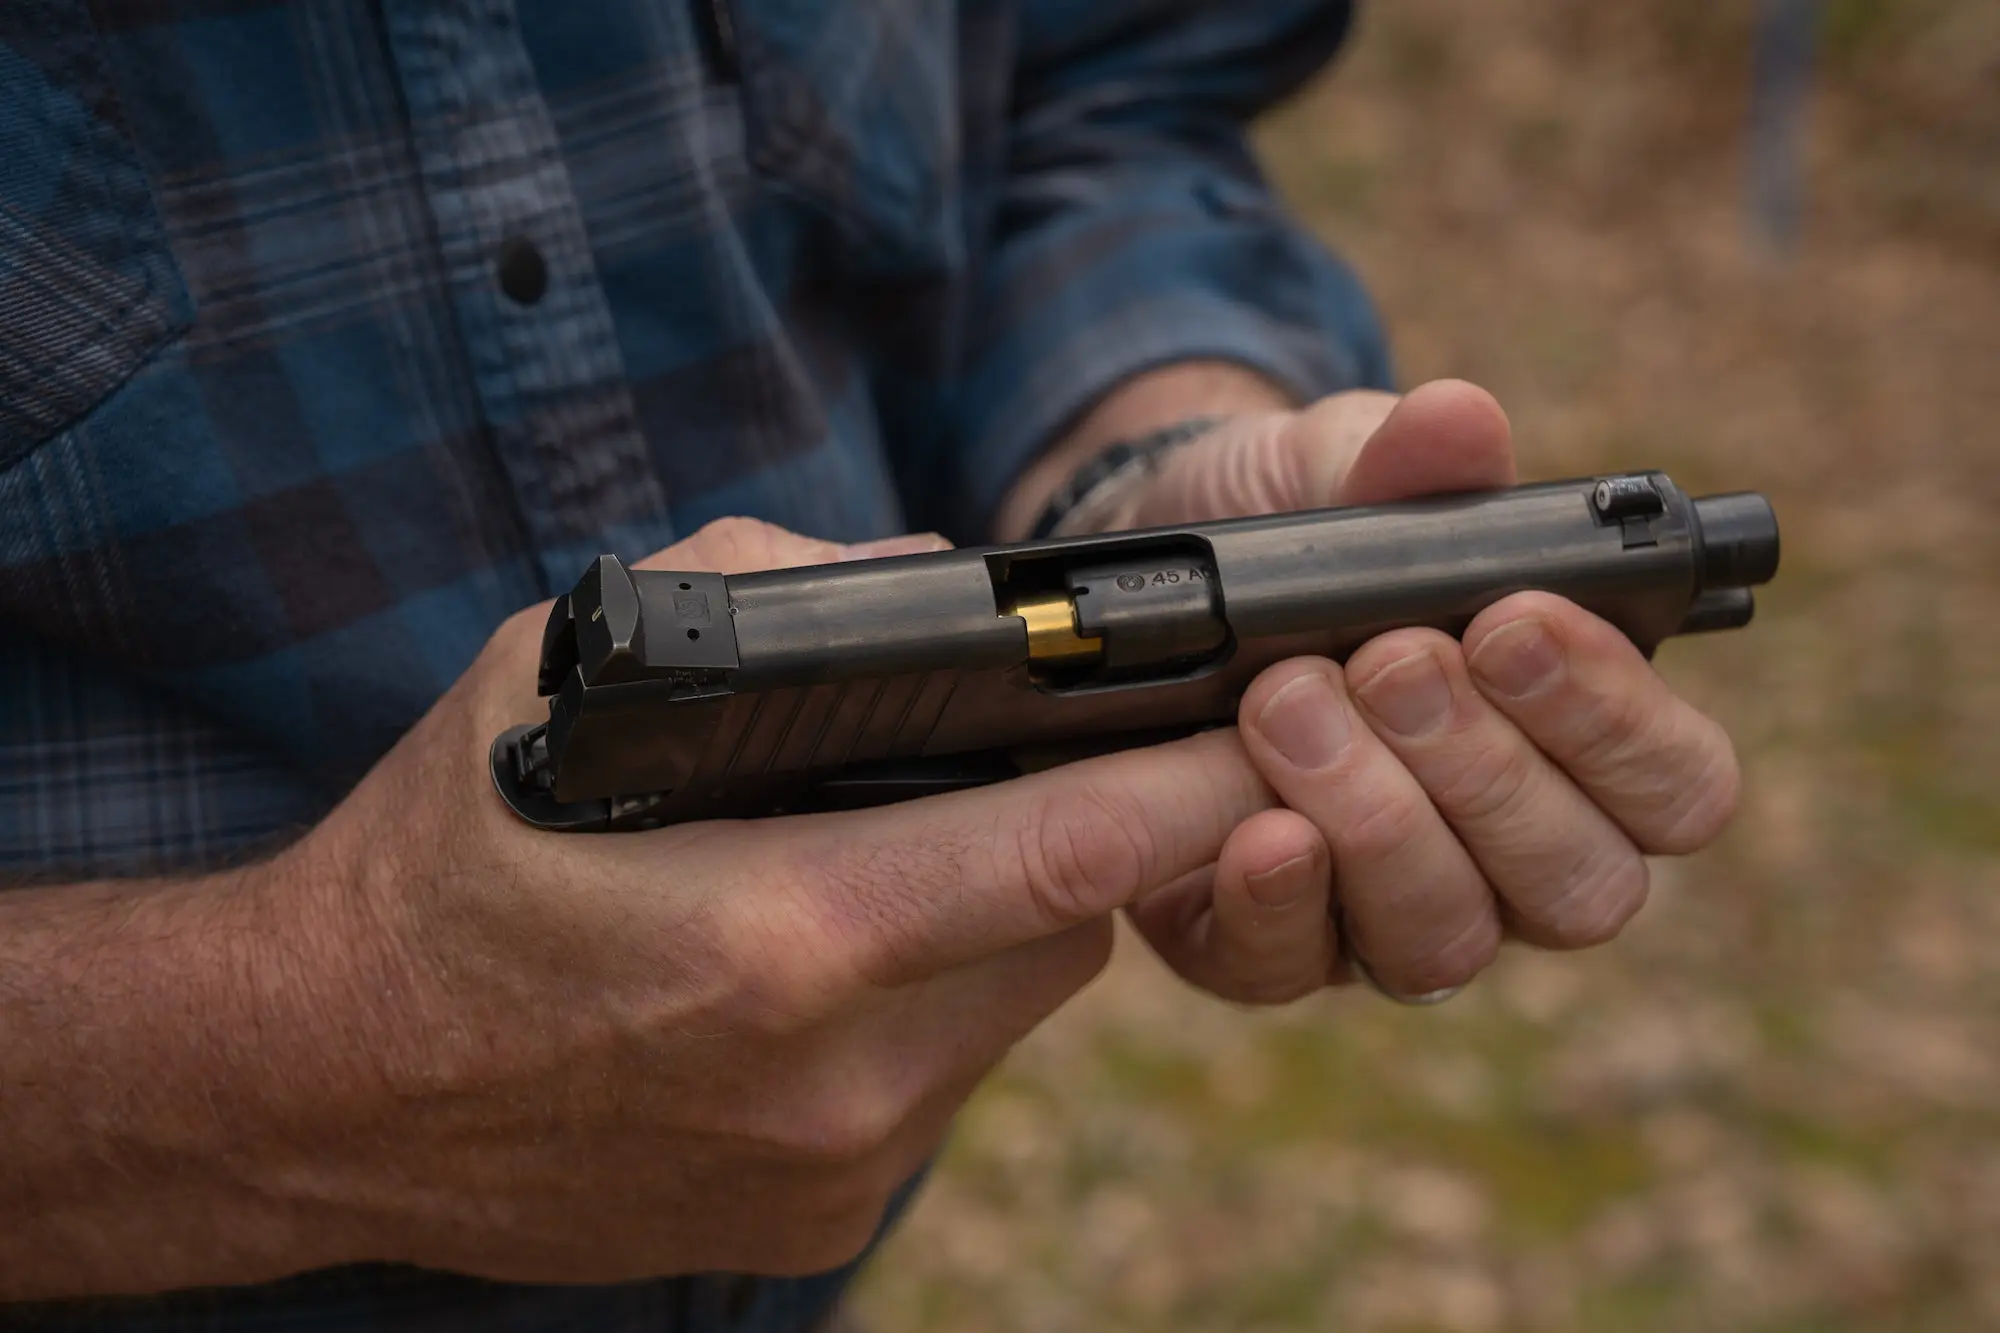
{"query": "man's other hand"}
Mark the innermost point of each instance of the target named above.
(1440, 794)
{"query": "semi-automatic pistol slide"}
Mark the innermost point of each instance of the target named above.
(685, 696)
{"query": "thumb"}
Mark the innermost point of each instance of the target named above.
(1440, 437)
(1358, 447)
(918, 888)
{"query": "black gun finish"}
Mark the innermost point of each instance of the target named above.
(685, 696)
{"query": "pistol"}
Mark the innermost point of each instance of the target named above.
(687, 696)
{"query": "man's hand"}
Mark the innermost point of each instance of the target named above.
(428, 1033)
(1442, 795)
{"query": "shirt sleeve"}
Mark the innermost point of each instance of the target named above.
(1135, 229)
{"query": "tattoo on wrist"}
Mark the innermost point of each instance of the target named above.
(1114, 470)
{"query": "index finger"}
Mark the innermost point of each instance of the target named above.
(914, 889)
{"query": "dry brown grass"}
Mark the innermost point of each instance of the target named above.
(1775, 1105)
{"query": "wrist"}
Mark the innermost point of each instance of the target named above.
(179, 1094)
(1141, 406)
(1106, 491)
(335, 1011)
(316, 995)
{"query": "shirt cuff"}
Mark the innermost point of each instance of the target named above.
(1319, 337)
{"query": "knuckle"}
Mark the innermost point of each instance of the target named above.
(1455, 962)
(869, 900)
(1239, 471)
(1698, 809)
(732, 531)
(1385, 824)
(729, 543)
(848, 1127)
(788, 965)
(1494, 785)
(1671, 772)
(1616, 730)
(789, 997)
(1084, 854)
(773, 991)
(1605, 893)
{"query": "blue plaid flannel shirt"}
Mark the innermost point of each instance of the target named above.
(333, 332)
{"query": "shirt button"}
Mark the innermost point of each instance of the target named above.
(524, 274)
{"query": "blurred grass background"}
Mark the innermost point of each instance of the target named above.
(1775, 1105)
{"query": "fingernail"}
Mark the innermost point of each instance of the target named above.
(1519, 659)
(1411, 696)
(1428, 998)
(1306, 722)
(1282, 885)
(913, 543)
